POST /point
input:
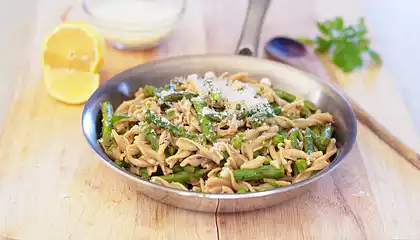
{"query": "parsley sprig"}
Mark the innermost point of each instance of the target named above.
(345, 44)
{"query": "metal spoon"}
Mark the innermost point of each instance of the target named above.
(296, 54)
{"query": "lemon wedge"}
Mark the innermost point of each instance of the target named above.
(69, 85)
(71, 58)
(74, 45)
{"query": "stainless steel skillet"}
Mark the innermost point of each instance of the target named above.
(122, 87)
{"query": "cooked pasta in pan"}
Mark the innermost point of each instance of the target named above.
(218, 134)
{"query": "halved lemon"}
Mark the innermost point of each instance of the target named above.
(74, 45)
(69, 85)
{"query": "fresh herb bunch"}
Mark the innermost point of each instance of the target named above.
(345, 44)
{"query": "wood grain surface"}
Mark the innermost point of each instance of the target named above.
(52, 185)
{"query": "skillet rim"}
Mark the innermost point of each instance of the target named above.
(128, 72)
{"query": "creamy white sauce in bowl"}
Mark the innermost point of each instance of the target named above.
(134, 24)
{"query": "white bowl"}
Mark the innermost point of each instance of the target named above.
(134, 24)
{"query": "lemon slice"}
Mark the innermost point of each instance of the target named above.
(74, 45)
(69, 85)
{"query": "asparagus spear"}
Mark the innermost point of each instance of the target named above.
(170, 87)
(181, 177)
(294, 138)
(284, 95)
(274, 184)
(118, 117)
(122, 164)
(177, 82)
(322, 138)
(185, 177)
(305, 112)
(236, 142)
(316, 132)
(143, 173)
(206, 126)
(257, 174)
(199, 174)
(308, 141)
(215, 97)
(280, 136)
(326, 135)
(177, 168)
(106, 124)
(309, 105)
(177, 96)
(171, 150)
(265, 188)
(316, 129)
(218, 117)
(273, 105)
(176, 130)
(299, 166)
(214, 117)
(276, 108)
(189, 169)
(267, 160)
(170, 113)
(149, 91)
(290, 98)
(225, 155)
(151, 136)
(242, 190)
(257, 153)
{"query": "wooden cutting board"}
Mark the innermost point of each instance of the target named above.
(53, 186)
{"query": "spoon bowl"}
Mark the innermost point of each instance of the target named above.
(285, 47)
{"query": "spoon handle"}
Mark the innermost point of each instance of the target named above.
(311, 63)
(250, 35)
(412, 156)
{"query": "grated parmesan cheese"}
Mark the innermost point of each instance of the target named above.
(165, 93)
(224, 172)
(165, 120)
(210, 75)
(265, 81)
(207, 110)
(233, 93)
(243, 93)
(196, 98)
(263, 108)
(216, 145)
(235, 121)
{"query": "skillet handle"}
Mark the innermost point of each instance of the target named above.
(250, 35)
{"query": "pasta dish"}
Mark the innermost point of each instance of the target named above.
(218, 134)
